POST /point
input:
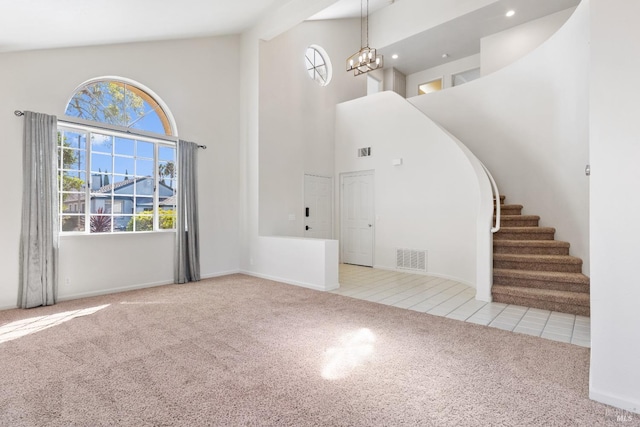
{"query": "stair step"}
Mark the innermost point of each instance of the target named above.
(546, 299)
(502, 197)
(518, 220)
(525, 233)
(532, 247)
(561, 263)
(574, 282)
(510, 209)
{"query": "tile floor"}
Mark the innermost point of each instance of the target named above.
(447, 298)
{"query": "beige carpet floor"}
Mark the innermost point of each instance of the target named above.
(244, 351)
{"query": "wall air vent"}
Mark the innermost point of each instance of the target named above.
(411, 259)
(364, 152)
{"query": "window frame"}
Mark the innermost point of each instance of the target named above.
(89, 127)
(313, 71)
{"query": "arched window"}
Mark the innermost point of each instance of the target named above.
(120, 178)
(121, 103)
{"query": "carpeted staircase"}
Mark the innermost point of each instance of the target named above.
(532, 269)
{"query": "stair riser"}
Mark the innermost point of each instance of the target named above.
(542, 304)
(504, 222)
(533, 250)
(538, 266)
(502, 235)
(541, 284)
(509, 211)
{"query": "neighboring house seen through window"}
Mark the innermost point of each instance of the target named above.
(111, 181)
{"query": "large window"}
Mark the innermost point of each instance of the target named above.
(109, 180)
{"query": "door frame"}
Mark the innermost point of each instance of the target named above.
(331, 200)
(371, 172)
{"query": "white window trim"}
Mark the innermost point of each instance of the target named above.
(116, 131)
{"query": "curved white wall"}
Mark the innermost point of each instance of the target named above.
(432, 201)
(528, 122)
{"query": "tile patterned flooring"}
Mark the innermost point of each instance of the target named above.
(447, 298)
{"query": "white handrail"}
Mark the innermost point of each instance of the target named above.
(496, 193)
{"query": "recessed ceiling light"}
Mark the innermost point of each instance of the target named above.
(510, 13)
(445, 55)
(394, 56)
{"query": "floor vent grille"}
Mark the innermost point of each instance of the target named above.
(411, 259)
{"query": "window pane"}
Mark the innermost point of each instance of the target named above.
(73, 203)
(100, 204)
(100, 182)
(123, 165)
(101, 162)
(167, 173)
(144, 187)
(100, 223)
(77, 140)
(122, 223)
(144, 222)
(72, 223)
(73, 181)
(73, 159)
(124, 146)
(101, 143)
(166, 153)
(150, 122)
(123, 184)
(145, 149)
(167, 218)
(144, 167)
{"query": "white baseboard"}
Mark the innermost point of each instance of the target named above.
(138, 286)
(220, 274)
(292, 282)
(628, 409)
(113, 290)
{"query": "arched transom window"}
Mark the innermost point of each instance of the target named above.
(119, 103)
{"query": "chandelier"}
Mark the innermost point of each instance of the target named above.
(365, 59)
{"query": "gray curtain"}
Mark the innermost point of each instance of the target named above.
(187, 264)
(39, 233)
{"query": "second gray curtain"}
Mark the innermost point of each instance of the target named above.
(39, 233)
(187, 263)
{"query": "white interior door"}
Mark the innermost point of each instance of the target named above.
(318, 196)
(356, 218)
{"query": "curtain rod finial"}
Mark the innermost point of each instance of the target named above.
(18, 113)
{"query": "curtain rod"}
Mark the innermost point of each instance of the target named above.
(20, 114)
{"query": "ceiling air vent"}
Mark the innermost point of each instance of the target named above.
(364, 152)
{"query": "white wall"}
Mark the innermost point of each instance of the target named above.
(297, 117)
(503, 48)
(310, 263)
(200, 89)
(313, 269)
(529, 124)
(430, 202)
(615, 203)
(444, 71)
